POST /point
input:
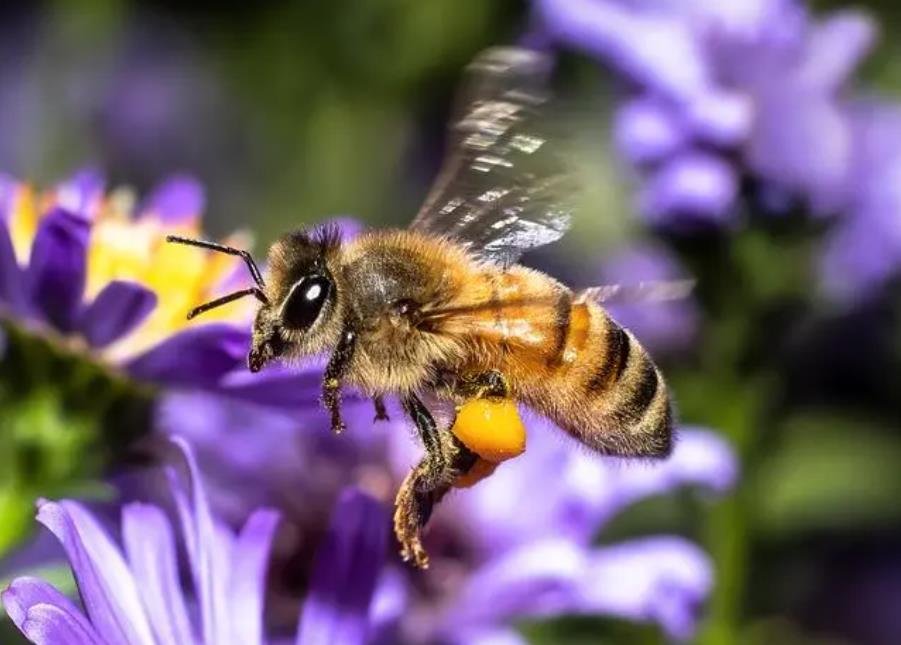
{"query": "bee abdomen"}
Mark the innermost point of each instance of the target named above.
(623, 401)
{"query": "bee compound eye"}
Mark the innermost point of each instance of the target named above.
(305, 302)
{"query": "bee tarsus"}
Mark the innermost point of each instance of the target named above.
(334, 373)
(445, 459)
(381, 413)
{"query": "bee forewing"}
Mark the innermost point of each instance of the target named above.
(502, 188)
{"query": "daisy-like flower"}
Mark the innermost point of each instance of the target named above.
(81, 268)
(132, 595)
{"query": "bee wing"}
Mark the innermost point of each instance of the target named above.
(656, 291)
(501, 190)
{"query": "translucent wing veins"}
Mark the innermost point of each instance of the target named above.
(502, 189)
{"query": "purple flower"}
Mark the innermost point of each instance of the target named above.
(722, 90)
(484, 542)
(133, 594)
(538, 560)
(89, 270)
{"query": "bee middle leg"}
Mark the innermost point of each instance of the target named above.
(444, 461)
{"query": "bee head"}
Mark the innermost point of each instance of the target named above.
(299, 318)
(297, 314)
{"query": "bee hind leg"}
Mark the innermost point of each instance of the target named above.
(444, 461)
(489, 384)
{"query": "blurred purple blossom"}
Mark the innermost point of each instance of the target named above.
(720, 92)
(571, 496)
(722, 89)
(752, 86)
(290, 460)
(133, 595)
(864, 249)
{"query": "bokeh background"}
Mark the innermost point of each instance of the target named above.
(780, 196)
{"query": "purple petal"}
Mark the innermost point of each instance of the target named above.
(8, 189)
(860, 256)
(198, 356)
(179, 200)
(12, 290)
(647, 131)
(248, 580)
(657, 50)
(56, 271)
(488, 636)
(660, 579)
(278, 386)
(345, 573)
(803, 142)
(82, 194)
(150, 546)
(538, 579)
(45, 616)
(691, 187)
(116, 311)
(586, 490)
(207, 548)
(700, 458)
(106, 585)
(654, 579)
(836, 47)
(720, 118)
(389, 604)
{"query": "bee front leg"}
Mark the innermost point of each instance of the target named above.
(444, 461)
(334, 373)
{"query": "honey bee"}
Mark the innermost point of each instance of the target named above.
(442, 310)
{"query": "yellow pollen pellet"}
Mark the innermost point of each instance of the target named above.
(492, 429)
(479, 471)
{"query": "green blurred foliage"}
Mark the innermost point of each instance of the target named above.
(65, 420)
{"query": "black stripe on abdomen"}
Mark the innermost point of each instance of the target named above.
(562, 316)
(616, 357)
(642, 394)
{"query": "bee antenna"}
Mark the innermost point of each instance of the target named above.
(230, 250)
(218, 302)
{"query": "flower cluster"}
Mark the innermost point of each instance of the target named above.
(133, 595)
(758, 92)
